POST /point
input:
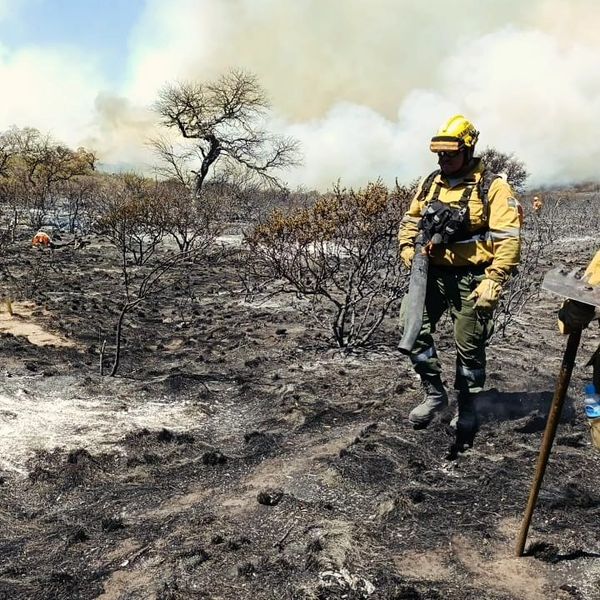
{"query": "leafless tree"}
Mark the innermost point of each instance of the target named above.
(33, 166)
(136, 214)
(524, 287)
(190, 222)
(140, 284)
(78, 195)
(131, 213)
(9, 149)
(508, 165)
(564, 215)
(222, 122)
(340, 254)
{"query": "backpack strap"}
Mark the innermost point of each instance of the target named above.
(427, 183)
(483, 190)
(466, 195)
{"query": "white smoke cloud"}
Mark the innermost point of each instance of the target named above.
(121, 134)
(49, 89)
(63, 93)
(309, 54)
(534, 94)
(528, 93)
(364, 89)
(356, 143)
(362, 86)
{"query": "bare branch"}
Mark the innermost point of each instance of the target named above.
(222, 119)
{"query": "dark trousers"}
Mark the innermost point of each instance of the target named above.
(447, 289)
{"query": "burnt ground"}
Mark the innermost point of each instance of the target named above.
(239, 456)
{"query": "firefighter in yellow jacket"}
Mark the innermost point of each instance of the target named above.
(577, 315)
(466, 272)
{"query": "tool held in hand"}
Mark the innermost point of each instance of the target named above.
(440, 224)
(416, 296)
(568, 285)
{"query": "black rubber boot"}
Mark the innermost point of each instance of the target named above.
(467, 423)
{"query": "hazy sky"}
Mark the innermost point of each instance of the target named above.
(362, 84)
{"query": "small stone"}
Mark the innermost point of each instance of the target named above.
(214, 457)
(270, 497)
(247, 569)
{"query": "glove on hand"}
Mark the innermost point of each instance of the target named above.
(574, 315)
(486, 295)
(407, 253)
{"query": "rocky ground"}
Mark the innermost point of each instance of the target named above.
(239, 456)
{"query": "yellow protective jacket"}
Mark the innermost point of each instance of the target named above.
(495, 230)
(592, 272)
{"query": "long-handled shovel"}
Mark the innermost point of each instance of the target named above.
(566, 285)
(558, 400)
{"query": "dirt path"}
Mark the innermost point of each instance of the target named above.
(22, 322)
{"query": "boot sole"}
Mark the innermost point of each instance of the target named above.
(422, 424)
(417, 426)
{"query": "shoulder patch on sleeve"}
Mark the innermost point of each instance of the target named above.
(515, 205)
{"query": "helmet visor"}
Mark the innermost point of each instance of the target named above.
(445, 143)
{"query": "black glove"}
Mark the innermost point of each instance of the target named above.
(576, 315)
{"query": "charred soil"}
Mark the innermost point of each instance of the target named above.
(237, 455)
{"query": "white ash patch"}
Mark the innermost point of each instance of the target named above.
(33, 417)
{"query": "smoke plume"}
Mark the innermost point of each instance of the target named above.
(363, 86)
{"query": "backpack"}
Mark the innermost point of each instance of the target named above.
(483, 189)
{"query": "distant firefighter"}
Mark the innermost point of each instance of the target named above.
(41, 240)
(537, 205)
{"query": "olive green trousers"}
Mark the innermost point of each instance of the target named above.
(448, 289)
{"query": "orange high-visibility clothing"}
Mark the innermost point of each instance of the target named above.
(41, 239)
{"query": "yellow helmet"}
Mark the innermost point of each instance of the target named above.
(455, 134)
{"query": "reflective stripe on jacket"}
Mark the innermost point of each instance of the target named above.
(495, 241)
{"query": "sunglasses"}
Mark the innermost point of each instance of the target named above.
(446, 154)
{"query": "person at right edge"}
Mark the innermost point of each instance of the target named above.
(578, 315)
(466, 273)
